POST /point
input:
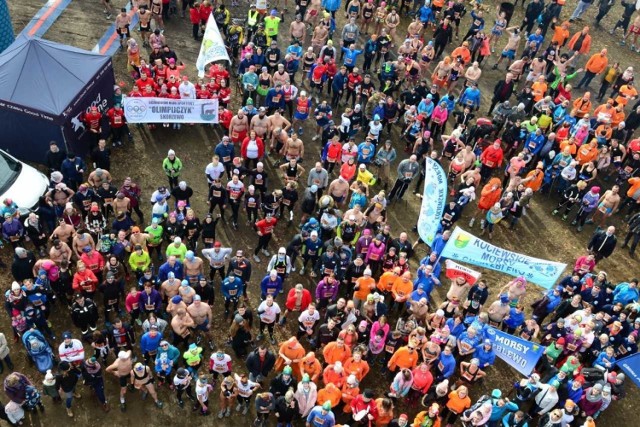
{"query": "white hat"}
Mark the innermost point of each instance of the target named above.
(124, 355)
(171, 153)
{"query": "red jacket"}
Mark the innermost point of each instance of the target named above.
(491, 156)
(116, 117)
(304, 302)
(224, 117)
(85, 281)
(93, 262)
(245, 144)
(204, 13)
(92, 119)
(358, 404)
(194, 16)
(265, 227)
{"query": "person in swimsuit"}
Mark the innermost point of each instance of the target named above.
(144, 17)
(142, 379)
(123, 21)
(156, 13)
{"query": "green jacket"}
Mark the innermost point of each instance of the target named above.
(172, 169)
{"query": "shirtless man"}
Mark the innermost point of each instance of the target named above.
(607, 205)
(469, 156)
(169, 288)
(277, 120)
(511, 48)
(261, 124)
(313, 12)
(180, 324)
(81, 241)
(98, 177)
(63, 232)
(278, 138)
(123, 21)
(201, 314)
(138, 238)
(121, 203)
(319, 38)
(415, 28)
(60, 251)
(339, 190)
(186, 292)
(144, 17)
(121, 369)
(298, 29)
(193, 268)
(293, 148)
(238, 127)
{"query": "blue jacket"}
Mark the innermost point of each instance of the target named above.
(172, 354)
(448, 364)
(269, 287)
(425, 282)
(471, 97)
(270, 100)
(624, 294)
(500, 411)
(316, 419)
(426, 14)
(231, 290)
(163, 271)
(514, 319)
(486, 358)
(438, 244)
(70, 168)
(366, 158)
(426, 108)
(534, 143)
(223, 151)
(350, 56)
(331, 5)
(370, 47)
(454, 329)
(149, 343)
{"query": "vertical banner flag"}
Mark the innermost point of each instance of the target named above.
(434, 198)
(520, 354)
(455, 270)
(631, 366)
(212, 48)
(465, 247)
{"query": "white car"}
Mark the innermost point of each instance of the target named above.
(20, 182)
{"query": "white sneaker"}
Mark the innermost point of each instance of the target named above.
(256, 258)
(293, 268)
(265, 252)
(315, 138)
(473, 221)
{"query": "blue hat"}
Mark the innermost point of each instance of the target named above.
(171, 275)
(504, 298)
(274, 12)
(41, 272)
(184, 283)
(155, 221)
(176, 299)
(376, 117)
(66, 335)
(159, 197)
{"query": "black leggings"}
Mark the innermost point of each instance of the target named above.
(188, 390)
(263, 243)
(269, 327)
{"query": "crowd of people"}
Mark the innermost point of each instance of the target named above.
(340, 325)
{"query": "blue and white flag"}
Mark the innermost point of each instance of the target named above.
(631, 366)
(434, 198)
(520, 354)
(465, 247)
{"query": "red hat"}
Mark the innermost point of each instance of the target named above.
(404, 416)
(560, 341)
(217, 245)
(95, 208)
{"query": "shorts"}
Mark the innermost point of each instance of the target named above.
(145, 29)
(634, 30)
(202, 327)
(123, 34)
(124, 381)
(338, 199)
(511, 54)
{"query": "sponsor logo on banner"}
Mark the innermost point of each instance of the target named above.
(434, 198)
(465, 247)
(520, 354)
(166, 110)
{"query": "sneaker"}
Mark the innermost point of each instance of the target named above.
(238, 407)
(473, 221)
(123, 407)
(256, 258)
(266, 252)
(221, 414)
(282, 321)
(228, 412)
(273, 341)
(579, 228)
(211, 345)
(139, 322)
(302, 270)
(159, 404)
(564, 217)
(315, 138)
(181, 403)
(259, 337)
(108, 17)
(293, 268)
(245, 410)
(69, 413)
(554, 212)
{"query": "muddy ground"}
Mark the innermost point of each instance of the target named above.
(538, 233)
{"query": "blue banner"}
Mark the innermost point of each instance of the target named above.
(631, 366)
(434, 198)
(465, 247)
(520, 354)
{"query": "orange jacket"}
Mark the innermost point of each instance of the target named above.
(582, 106)
(359, 369)
(462, 51)
(330, 393)
(384, 417)
(587, 153)
(401, 288)
(312, 368)
(586, 43)
(597, 63)
(560, 34)
(536, 182)
(618, 116)
(403, 359)
(365, 286)
(604, 109)
(490, 196)
(348, 394)
(457, 404)
(625, 93)
(331, 376)
(332, 353)
(386, 281)
(419, 419)
(290, 353)
(538, 89)
(634, 186)
(572, 147)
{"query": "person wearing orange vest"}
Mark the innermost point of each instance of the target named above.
(350, 390)
(404, 358)
(539, 88)
(303, 106)
(401, 290)
(580, 43)
(582, 105)
(363, 287)
(356, 366)
(385, 284)
(311, 366)
(587, 152)
(336, 351)
(330, 393)
(626, 93)
(463, 52)
(604, 112)
(595, 66)
(560, 33)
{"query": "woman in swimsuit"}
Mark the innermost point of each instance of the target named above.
(426, 56)
(265, 82)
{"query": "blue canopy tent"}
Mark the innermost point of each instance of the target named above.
(45, 87)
